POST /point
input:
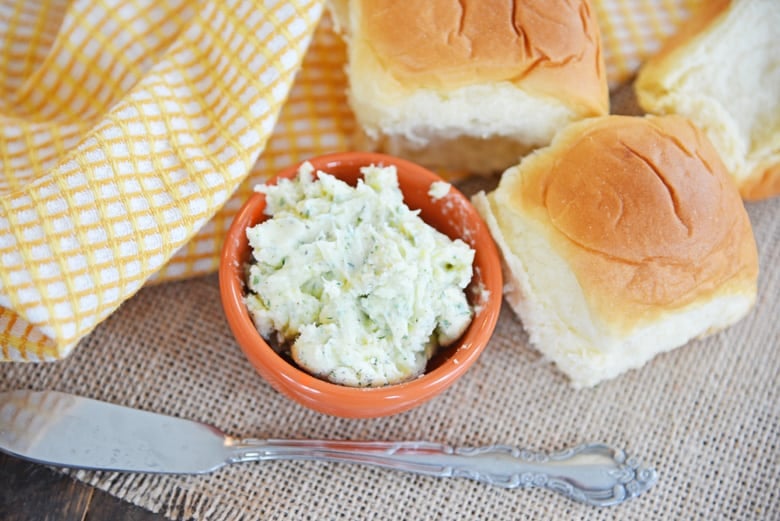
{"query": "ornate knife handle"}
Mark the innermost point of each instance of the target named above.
(595, 474)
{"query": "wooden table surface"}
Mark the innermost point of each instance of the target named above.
(33, 492)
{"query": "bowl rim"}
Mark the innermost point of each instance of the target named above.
(347, 401)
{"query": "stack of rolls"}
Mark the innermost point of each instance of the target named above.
(622, 237)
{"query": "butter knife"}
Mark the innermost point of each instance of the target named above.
(65, 430)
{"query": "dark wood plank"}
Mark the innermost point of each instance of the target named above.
(105, 506)
(29, 491)
(32, 491)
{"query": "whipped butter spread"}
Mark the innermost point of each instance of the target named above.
(356, 284)
(439, 189)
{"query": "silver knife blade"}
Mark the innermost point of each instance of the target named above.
(72, 431)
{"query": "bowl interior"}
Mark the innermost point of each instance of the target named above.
(453, 215)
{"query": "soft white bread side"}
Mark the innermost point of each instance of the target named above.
(723, 73)
(470, 85)
(623, 239)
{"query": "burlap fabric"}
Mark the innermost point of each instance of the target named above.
(707, 416)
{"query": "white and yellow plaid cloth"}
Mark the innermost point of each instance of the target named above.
(131, 132)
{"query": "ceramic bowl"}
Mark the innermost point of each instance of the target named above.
(453, 215)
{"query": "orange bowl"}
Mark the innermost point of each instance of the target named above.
(453, 215)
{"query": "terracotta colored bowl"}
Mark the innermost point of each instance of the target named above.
(453, 215)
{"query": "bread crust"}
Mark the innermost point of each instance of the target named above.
(445, 82)
(742, 114)
(623, 239)
(550, 48)
(644, 211)
(763, 184)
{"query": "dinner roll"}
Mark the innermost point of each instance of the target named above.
(723, 73)
(470, 85)
(623, 239)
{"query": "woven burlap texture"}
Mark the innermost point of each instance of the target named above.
(131, 133)
(705, 415)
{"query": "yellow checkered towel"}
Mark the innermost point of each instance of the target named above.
(132, 131)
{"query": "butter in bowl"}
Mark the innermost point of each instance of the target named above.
(355, 298)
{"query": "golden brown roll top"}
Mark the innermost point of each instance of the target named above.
(646, 211)
(551, 48)
(623, 239)
(470, 86)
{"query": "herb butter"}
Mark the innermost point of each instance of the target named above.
(358, 286)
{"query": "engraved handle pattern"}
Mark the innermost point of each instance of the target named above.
(595, 474)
